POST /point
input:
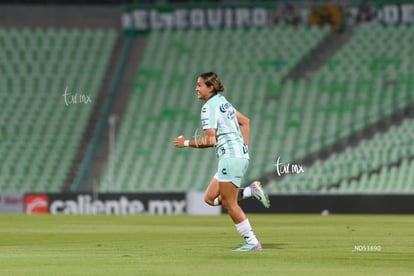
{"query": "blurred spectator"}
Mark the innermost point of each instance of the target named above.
(287, 14)
(365, 13)
(330, 14)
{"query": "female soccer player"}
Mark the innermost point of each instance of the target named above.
(228, 131)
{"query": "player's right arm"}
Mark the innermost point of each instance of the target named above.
(208, 141)
(209, 124)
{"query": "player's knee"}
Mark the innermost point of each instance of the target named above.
(209, 200)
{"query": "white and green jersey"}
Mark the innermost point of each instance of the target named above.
(219, 114)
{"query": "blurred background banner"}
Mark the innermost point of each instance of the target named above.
(145, 17)
(197, 16)
(11, 203)
(106, 204)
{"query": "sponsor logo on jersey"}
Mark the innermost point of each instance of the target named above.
(224, 107)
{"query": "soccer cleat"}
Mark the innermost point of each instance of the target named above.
(259, 194)
(249, 247)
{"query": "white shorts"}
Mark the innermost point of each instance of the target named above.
(232, 170)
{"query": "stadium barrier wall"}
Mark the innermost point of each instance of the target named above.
(11, 203)
(197, 206)
(335, 204)
(192, 203)
(118, 204)
(106, 203)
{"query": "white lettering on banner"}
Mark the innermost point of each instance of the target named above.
(407, 13)
(180, 20)
(242, 18)
(393, 14)
(214, 18)
(126, 20)
(228, 18)
(140, 20)
(390, 14)
(123, 206)
(166, 207)
(259, 17)
(153, 19)
(197, 18)
(167, 18)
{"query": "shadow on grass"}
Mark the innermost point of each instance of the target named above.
(274, 246)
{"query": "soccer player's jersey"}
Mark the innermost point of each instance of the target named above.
(219, 114)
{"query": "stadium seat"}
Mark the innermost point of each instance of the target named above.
(387, 152)
(368, 79)
(43, 132)
(169, 68)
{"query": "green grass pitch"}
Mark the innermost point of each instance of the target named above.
(202, 245)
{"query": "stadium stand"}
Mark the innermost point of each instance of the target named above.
(370, 78)
(360, 85)
(365, 82)
(357, 168)
(41, 127)
(392, 179)
(164, 104)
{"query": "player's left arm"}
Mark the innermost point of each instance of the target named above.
(244, 123)
(208, 141)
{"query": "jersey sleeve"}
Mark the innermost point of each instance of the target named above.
(208, 117)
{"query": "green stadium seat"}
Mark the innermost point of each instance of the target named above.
(44, 133)
(362, 83)
(171, 63)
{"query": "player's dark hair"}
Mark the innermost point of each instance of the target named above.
(212, 79)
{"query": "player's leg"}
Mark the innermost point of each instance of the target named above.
(255, 190)
(230, 174)
(212, 194)
(229, 198)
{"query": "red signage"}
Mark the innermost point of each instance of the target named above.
(36, 204)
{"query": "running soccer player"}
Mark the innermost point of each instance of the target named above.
(228, 131)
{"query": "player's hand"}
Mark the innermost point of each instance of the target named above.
(179, 141)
